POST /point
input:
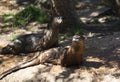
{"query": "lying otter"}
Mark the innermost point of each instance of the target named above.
(65, 56)
(35, 42)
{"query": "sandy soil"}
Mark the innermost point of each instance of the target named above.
(101, 60)
(101, 64)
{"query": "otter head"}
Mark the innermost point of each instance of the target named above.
(77, 41)
(57, 20)
(77, 38)
(12, 47)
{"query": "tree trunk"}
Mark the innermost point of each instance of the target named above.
(115, 5)
(66, 9)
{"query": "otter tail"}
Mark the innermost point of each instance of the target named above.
(32, 62)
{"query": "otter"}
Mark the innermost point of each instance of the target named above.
(74, 54)
(35, 42)
(65, 56)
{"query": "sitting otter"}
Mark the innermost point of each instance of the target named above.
(65, 56)
(35, 42)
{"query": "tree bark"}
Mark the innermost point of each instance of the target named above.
(66, 9)
(115, 5)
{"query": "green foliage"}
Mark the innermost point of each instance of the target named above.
(71, 33)
(13, 37)
(64, 36)
(78, 31)
(29, 14)
(7, 18)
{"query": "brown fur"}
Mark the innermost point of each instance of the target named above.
(65, 56)
(74, 54)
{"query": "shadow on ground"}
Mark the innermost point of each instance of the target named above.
(100, 64)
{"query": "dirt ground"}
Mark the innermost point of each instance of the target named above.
(101, 64)
(101, 60)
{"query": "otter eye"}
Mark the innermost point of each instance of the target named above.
(76, 38)
(60, 17)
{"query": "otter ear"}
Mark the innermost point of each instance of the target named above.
(15, 42)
